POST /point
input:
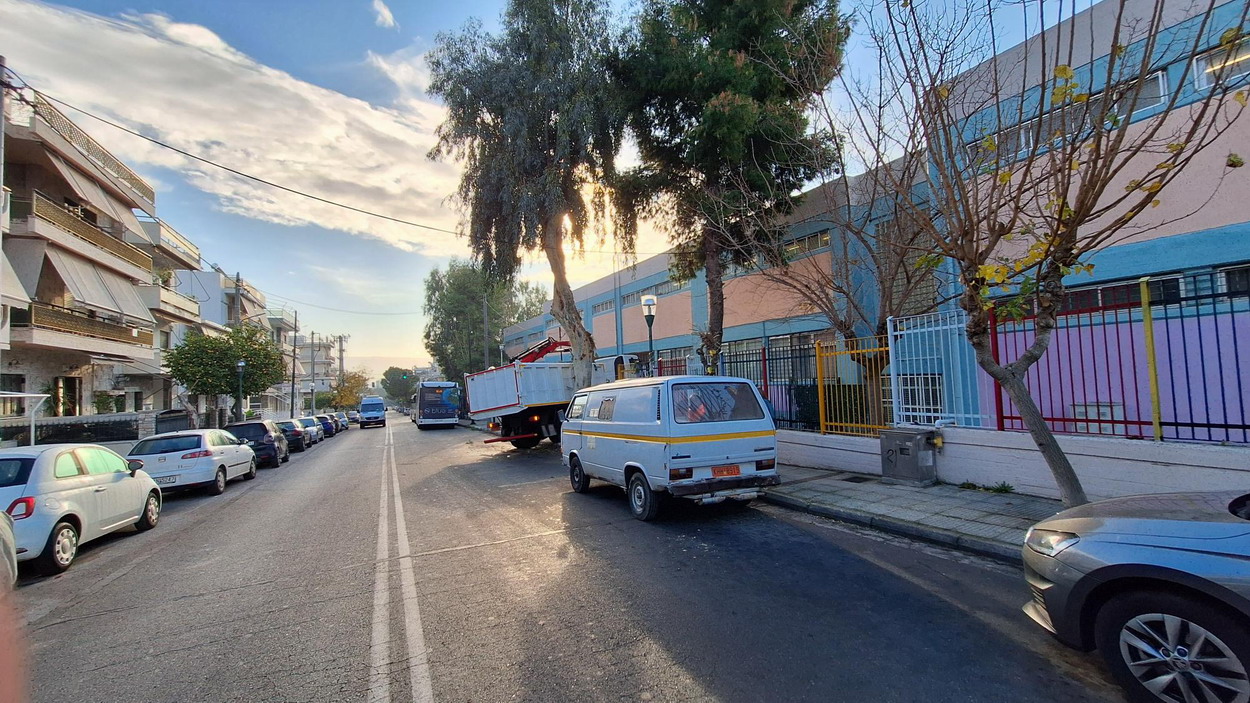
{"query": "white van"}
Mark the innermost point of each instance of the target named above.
(704, 438)
(372, 411)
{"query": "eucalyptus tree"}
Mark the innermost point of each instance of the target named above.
(718, 93)
(534, 120)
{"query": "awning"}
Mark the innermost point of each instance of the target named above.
(96, 287)
(12, 292)
(26, 256)
(93, 194)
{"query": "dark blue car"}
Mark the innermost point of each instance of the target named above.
(327, 424)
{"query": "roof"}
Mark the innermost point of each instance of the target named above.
(35, 451)
(658, 380)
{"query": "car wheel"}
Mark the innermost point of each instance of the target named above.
(151, 512)
(286, 457)
(218, 486)
(1169, 647)
(60, 550)
(644, 504)
(251, 470)
(301, 446)
(577, 477)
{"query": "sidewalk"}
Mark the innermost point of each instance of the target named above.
(990, 524)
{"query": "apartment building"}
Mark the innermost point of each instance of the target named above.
(72, 210)
(319, 360)
(275, 402)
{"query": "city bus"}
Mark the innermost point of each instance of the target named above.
(436, 403)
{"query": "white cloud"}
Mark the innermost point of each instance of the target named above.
(383, 16)
(182, 84)
(406, 69)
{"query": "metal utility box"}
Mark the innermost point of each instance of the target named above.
(907, 456)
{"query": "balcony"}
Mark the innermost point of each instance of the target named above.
(170, 302)
(44, 325)
(168, 242)
(42, 208)
(100, 156)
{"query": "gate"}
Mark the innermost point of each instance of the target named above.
(172, 421)
(850, 376)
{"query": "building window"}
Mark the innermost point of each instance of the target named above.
(1237, 280)
(1153, 92)
(13, 383)
(605, 306)
(1223, 65)
(804, 245)
(165, 340)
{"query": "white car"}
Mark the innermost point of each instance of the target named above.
(186, 458)
(61, 496)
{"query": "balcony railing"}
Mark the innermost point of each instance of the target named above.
(48, 317)
(45, 209)
(83, 141)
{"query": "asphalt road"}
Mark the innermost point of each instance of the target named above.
(484, 578)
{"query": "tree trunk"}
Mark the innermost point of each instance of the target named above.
(714, 272)
(564, 305)
(1012, 381)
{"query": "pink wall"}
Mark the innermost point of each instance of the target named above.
(754, 298)
(603, 328)
(672, 318)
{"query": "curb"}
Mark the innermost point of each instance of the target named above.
(993, 549)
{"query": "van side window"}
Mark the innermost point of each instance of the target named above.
(577, 408)
(606, 407)
(715, 402)
(636, 405)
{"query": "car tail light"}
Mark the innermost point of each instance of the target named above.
(297, 432)
(268, 438)
(197, 455)
(21, 508)
(679, 474)
(765, 464)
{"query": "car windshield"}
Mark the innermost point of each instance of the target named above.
(287, 424)
(164, 445)
(372, 408)
(307, 421)
(251, 430)
(715, 402)
(14, 472)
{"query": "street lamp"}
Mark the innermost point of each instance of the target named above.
(648, 314)
(501, 355)
(239, 413)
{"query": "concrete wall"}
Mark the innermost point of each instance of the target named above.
(1108, 467)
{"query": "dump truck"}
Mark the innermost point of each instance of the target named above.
(525, 399)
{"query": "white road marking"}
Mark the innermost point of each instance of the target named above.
(380, 641)
(418, 659)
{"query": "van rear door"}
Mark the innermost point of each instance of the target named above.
(720, 429)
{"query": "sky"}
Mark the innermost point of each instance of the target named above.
(324, 96)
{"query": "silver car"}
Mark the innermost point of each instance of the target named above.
(1159, 585)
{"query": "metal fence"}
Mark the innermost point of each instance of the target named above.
(851, 375)
(1159, 359)
(787, 377)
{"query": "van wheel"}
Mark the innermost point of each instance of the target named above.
(644, 504)
(577, 477)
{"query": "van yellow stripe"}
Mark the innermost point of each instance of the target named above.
(675, 440)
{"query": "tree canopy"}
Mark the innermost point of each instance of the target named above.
(208, 365)
(350, 389)
(453, 303)
(534, 119)
(399, 384)
(717, 94)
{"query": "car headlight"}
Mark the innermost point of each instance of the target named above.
(1050, 542)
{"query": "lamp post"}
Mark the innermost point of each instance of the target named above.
(648, 314)
(501, 355)
(239, 414)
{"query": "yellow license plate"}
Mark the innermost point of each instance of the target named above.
(727, 470)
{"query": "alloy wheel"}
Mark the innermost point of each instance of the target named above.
(1179, 660)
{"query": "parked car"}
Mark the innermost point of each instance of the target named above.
(338, 423)
(191, 458)
(327, 425)
(265, 438)
(61, 496)
(344, 423)
(704, 438)
(372, 411)
(353, 417)
(1158, 584)
(8, 552)
(294, 433)
(312, 429)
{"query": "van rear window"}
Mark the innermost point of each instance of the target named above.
(715, 402)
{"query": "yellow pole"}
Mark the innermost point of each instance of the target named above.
(1152, 364)
(820, 384)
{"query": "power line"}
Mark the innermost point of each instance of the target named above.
(324, 307)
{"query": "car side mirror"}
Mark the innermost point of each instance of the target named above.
(134, 465)
(240, 441)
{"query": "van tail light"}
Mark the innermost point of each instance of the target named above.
(22, 508)
(197, 455)
(679, 474)
(268, 438)
(493, 426)
(765, 464)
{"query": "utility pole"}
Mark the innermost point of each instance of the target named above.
(294, 361)
(4, 83)
(342, 337)
(312, 400)
(238, 299)
(485, 321)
